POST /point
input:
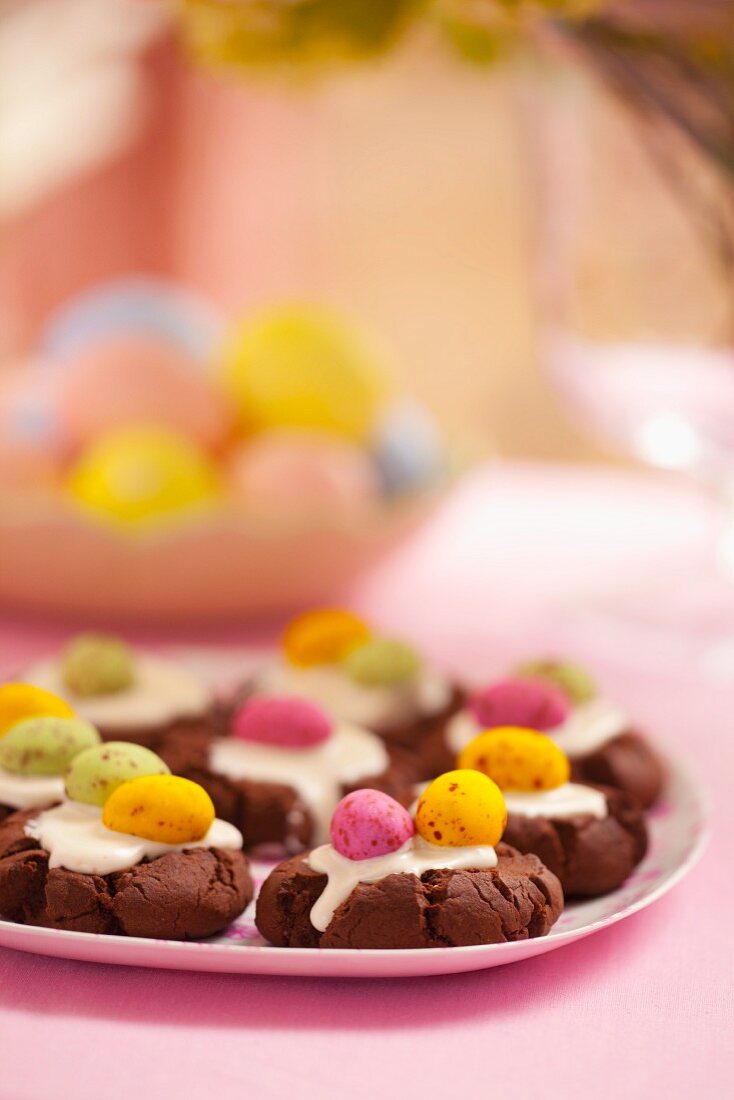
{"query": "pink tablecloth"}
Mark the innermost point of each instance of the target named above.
(642, 1009)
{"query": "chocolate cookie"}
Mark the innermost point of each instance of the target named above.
(269, 815)
(179, 896)
(517, 900)
(590, 856)
(626, 762)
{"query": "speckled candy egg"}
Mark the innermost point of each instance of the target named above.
(517, 759)
(45, 746)
(139, 475)
(166, 809)
(382, 662)
(460, 809)
(137, 380)
(369, 823)
(534, 704)
(323, 636)
(302, 471)
(285, 722)
(572, 679)
(97, 664)
(95, 773)
(19, 701)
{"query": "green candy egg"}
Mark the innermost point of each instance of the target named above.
(382, 662)
(45, 746)
(94, 774)
(97, 664)
(570, 678)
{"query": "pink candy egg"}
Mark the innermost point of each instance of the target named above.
(531, 704)
(140, 379)
(285, 722)
(368, 824)
(302, 470)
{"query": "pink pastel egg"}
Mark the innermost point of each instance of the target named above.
(140, 379)
(531, 704)
(283, 721)
(368, 824)
(302, 470)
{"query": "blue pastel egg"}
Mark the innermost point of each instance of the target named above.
(408, 449)
(134, 304)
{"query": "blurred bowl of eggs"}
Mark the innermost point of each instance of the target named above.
(159, 462)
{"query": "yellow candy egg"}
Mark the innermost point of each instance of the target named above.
(19, 701)
(461, 809)
(302, 367)
(517, 759)
(323, 637)
(136, 475)
(163, 808)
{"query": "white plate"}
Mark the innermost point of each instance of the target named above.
(678, 834)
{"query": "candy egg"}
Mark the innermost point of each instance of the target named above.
(141, 474)
(534, 704)
(133, 380)
(291, 722)
(164, 808)
(134, 304)
(323, 636)
(45, 746)
(302, 367)
(573, 680)
(382, 662)
(407, 448)
(19, 701)
(302, 471)
(369, 823)
(97, 664)
(95, 773)
(461, 809)
(517, 759)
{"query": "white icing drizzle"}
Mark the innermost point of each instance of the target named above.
(317, 774)
(588, 727)
(75, 838)
(565, 801)
(163, 692)
(414, 858)
(377, 708)
(30, 792)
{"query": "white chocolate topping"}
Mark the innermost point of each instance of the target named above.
(414, 858)
(75, 838)
(30, 792)
(568, 800)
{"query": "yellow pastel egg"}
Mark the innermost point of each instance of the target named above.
(136, 475)
(20, 701)
(163, 808)
(303, 367)
(517, 759)
(323, 637)
(460, 809)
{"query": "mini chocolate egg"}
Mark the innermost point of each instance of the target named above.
(533, 704)
(95, 773)
(287, 722)
(571, 678)
(408, 449)
(303, 367)
(163, 808)
(517, 759)
(137, 475)
(369, 823)
(134, 304)
(382, 662)
(97, 664)
(302, 471)
(19, 701)
(461, 809)
(133, 380)
(45, 746)
(323, 636)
